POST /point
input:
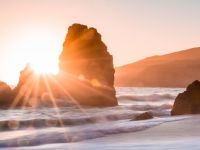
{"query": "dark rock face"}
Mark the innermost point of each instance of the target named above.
(144, 116)
(21, 94)
(5, 95)
(84, 54)
(86, 67)
(188, 102)
(15, 98)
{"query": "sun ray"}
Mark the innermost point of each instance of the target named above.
(75, 79)
(68, 94)
(35, 99)
(55, 107)
(35, 92)
(53, 100)
(21, 93)
(30, 90)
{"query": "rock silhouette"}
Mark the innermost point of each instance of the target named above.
(5, 95)
(188, 102)
(86, 76)
(23, 92)
(144, 116)
(86, 66)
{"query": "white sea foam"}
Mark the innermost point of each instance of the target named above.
(43, 126)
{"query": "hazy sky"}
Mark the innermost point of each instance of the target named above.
(31, 30)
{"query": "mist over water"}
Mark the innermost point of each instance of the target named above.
(29, 127)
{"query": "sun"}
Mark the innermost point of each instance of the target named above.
(43, 68)
(37, 46)
(44, 62)
(42, 55)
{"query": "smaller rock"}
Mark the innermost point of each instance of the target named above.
(5, 95)
(188, 102)
(144, 116)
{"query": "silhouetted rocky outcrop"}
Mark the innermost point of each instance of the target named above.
(25, 78)
(5, 95)
(22, 93)
(188, 102)
(86, 67)
(34, 90)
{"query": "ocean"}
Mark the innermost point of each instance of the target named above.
(30, 127)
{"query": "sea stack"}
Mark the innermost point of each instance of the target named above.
(188, 102)
(86, 68)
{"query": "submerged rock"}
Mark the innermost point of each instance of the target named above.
(144, 116)
(188, 102)
(86, 68)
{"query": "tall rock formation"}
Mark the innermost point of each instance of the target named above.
(86, 67)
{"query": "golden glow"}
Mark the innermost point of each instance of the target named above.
(43, 68)
(41, 55)
(95, 82)
(37, 46)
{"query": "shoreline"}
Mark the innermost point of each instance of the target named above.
(181, 134)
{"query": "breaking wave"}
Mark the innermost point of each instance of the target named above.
(152, 97)
(65, 135)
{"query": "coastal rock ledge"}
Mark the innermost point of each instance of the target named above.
(188, 102)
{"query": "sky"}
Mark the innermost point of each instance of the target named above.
(31, 30)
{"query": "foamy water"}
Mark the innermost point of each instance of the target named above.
(31, 127)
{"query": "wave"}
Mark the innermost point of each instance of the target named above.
(95, 116)
(65, 135)
(152, 97)
(156, 110)
(150, 107)
(42, 123)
